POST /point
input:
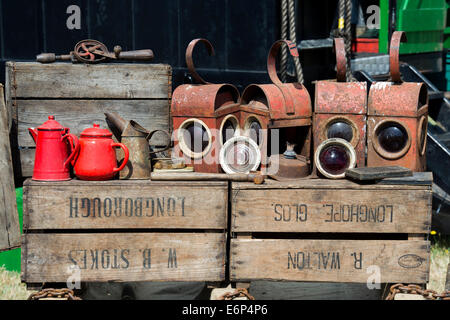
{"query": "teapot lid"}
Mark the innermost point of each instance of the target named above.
(51, 125)
(96, 131)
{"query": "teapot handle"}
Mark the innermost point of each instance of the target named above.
(125, 160)
(74, 148)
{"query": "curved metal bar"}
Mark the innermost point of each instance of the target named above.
(271, 59)
(190, 62)
(341, 59)
(394, 55)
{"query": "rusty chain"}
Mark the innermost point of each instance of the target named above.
(54, 293)
(240, 292)
(416, 289)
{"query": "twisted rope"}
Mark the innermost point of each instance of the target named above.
(293, 38)
(284, 31)
(348, 39)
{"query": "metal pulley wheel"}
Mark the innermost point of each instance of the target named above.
(90, 51)
(240, 155)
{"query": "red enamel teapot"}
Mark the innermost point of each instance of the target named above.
(55, 149)
(96, 159)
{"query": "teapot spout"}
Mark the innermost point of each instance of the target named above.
(34, 133)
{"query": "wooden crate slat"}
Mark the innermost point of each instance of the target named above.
(138, 204)
(9, 218)
(331, 210)
(329, 260)
(124, 257)
(417, 181)
(101, 81)
(81, 114)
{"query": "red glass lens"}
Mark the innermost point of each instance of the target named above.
(334, 159)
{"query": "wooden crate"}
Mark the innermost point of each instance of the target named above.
(331, 231)
(124, 231)
(79, 94)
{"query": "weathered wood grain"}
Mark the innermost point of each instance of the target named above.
(121, 204)
(124, 257)
(81, 114)
(417, 181)
(282, 290)
(400, 210)
(9, 218)
(27, 161)
(100, 81)
(353, 261)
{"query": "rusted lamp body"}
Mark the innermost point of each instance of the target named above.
(341, 108)
(198, 112)
(282, 106)
(397, 118)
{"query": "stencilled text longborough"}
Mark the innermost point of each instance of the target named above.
(126, 207)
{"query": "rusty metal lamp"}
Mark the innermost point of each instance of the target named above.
(198, 112)
(278, 106)
(341, 109)
(397, 118)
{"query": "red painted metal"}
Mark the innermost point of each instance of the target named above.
(341, 101)
(55, 149)
(284, 106)
(96, 159)
(404, 104)
(206, 104)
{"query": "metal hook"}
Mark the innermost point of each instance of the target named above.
(341, 59)
(190, 62)
(271, 59)
(394, 55)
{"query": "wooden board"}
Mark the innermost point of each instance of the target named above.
(81, 114)
(99, 81)
(376, 173)
(9, 218)
(124, 257)
(78, 95)
(329, 260)
(331, 206)
(119, 204)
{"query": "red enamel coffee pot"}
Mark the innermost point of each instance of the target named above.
(96, 160)
(55, 149)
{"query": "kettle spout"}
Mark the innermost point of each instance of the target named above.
(118, 122)
(33, 133)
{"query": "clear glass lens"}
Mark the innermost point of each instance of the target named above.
(195, 137)
(255, 131)
(228, 130)
(392, 137)
(340, 129)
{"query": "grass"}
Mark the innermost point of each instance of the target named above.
(10, 286)
(440, 258)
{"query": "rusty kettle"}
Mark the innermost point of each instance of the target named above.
(136, 139)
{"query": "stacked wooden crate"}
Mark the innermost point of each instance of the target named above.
(332, 231)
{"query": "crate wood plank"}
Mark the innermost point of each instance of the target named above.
(9, 218)
(100, 81)
(376, 173)
(353, 261)
(417, 181)
(122, 204)
(332, 210)
(27, 161)
(81, 114)
(124, 257)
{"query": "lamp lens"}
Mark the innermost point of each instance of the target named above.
(334, 159)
